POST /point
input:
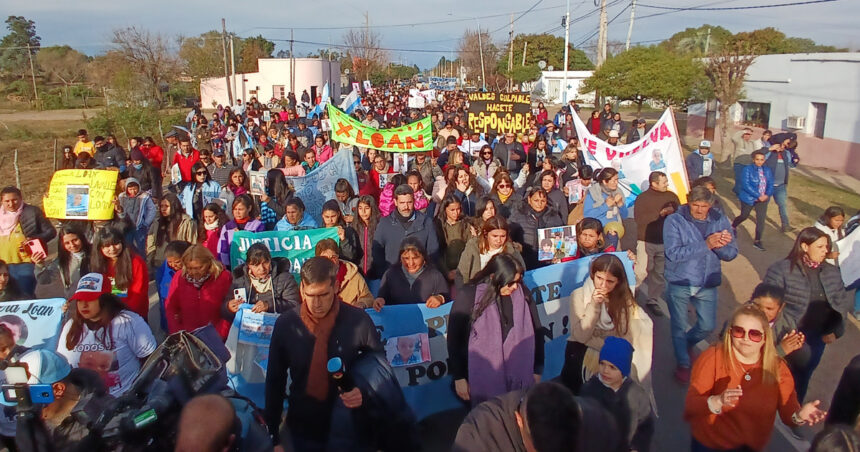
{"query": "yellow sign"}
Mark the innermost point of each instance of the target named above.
(81, 195)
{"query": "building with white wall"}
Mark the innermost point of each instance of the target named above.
(815, 95)
(552, 85)
(272, 80)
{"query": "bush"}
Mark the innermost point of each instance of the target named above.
(133, 121)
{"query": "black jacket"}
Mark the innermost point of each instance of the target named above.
(35, 225)
(291, 351)
(286, 291)
(845, 407)
(148, 176)
(492, 427)
(502, 152)
(631, 408)
(525, 223)
(395, 289)
(391, 232)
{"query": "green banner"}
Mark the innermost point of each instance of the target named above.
(415, 137)
(296, 246)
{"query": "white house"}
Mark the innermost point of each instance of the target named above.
(815, 95)
(273, 81)
(551, 83)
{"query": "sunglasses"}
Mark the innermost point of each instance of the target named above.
(753, 335)
(504, 185)
(200, 173)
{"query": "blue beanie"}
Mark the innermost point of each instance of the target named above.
(619, 352)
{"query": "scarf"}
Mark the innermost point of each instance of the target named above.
(599, 194)
(196, 282)
(498, 366)
(261, 285)
(8, 220)
(504, 198)
(318, 379)
(213, 226)
(240, 223)
(412, 277)
(404, 220)
(604, 321)
(809, 263)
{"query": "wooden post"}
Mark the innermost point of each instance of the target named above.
(161, 131)
(17, 172)
(55, 154)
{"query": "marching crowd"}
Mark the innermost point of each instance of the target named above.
(456, 225)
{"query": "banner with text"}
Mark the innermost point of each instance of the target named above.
(295, 246)
(658, 150)
(443, 83)
(81, 195)
(427, 385)
(316, 188)
(499, 113)
(34, 323)
(415, 137)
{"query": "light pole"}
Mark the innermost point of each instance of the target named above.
(566, 45)
(481, 51)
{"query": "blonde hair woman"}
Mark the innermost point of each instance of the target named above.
(197, 293)
(737, 387)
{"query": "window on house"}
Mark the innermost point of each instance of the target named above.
(278, 91)
(554, 89)
(756, 114)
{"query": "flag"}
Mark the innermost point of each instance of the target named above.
(321, 106)
(351, 102)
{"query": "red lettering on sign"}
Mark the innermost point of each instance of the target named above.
(395, 142)
(655, 135)
(360, 139)
(664, 131)
(377, 140)
(610, 153)
(591, 145)
(413, 142)
(343, 129)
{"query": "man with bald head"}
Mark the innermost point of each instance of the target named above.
(207, 424)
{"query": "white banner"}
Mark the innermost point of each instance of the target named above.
(658, 150)
(849, 257)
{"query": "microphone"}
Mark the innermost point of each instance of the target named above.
(338, 374)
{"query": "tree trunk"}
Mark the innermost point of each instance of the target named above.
(724, 131)
(638, 108)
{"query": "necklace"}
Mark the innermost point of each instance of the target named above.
(746, 372)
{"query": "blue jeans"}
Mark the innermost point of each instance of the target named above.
(704, 300)
(25, 276)
(780, 196)
(699, 447)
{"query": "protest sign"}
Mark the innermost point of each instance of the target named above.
(849, 257)
(443, 83)
(499, 113)
(427, 385)
(295, 246)
(556, 243)
(81, 195)
(658, 150)
(368, 87)
(318, 187)
(34, 323)
(257, 182)
(414, 137)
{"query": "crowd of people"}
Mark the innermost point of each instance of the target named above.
(458, 224)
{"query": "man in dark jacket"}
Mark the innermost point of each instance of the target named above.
(780, 158)
(108, 155)
(404, 222)
(147, 175)
(511, 154)
(303, 341)
(696, 239)
(545, 418)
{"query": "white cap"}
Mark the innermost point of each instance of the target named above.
(705, 144)
(613, 134)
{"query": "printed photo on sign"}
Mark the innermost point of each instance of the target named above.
(401, 163)
(104, 363)
(256, 328)
(407, 350)
(384, 178)
(556, 243)
(17, 326)
(258, 182)
(574, 191)
(77, 200)
(325, 124)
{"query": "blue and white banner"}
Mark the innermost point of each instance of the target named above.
(443, 83)
(320, 107)
(34, 323)
(427, 386)
(351, 102)
(318, 187)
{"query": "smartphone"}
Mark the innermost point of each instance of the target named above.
(240, 294)
(43, 394)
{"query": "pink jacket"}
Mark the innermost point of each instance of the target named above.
(323, 154)
(293, 171)
(386, 200)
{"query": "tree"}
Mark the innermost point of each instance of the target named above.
(696, 40)
(150, 56)
(253, 49)
(14, 59)
(364, 48)
(203, 56)
(62, 64)
(727, 70)
(469, 53)
(644, 73)
(541, 47)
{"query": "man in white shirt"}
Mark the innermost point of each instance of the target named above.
(473, 145)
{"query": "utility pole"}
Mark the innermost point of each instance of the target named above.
(511, 56)
(566, 45)
(233, 67)
(525, 47)
(481, 51)
(601, 37)
(292, 67)
(226, 68)
(630, 28)
(32, 73)
(708, 41)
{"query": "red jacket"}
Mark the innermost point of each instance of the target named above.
(135, 295)
(155, 155)
(185, 163)
(189, 308)
(211, 240)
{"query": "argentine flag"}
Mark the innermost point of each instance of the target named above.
(351, 102)
(321, 106)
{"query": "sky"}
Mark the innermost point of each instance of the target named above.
(421, 33)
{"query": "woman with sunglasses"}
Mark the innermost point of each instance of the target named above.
(199, 192)
(815, 298)
(505, 198)
(492, 342)
(739, 385)
(485, 166)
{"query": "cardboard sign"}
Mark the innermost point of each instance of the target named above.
(81, 195)
(415, 137)
(499, 113)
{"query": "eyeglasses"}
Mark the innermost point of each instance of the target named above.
(200, 173)
(753, 335)
(504, 185)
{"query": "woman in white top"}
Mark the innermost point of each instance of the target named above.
(832, 222)
(493, 238)
(104, 336)
(604, 306)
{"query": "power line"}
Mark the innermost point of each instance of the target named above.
(730, 8)
(607, 25)
(518, 17)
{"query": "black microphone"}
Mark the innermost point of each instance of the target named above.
(338, 374)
